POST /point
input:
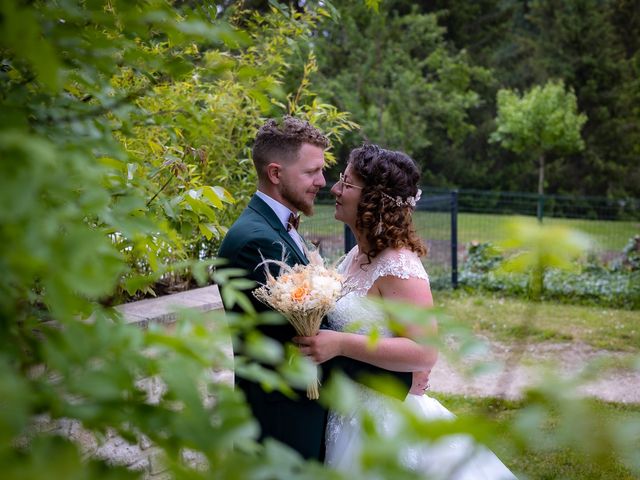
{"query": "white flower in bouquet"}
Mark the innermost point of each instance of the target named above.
(304, 294)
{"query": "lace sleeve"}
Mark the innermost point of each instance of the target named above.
(400, 263)
(396, 263)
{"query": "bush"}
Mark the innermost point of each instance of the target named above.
(593, 284)
(630, 261)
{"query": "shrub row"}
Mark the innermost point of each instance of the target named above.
(616, 286)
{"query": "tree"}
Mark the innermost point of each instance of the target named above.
(400, 80)
(587, 43)
(116, 119)
(542, 121)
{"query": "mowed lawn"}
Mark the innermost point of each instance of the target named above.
(504, 319)
(609, 236)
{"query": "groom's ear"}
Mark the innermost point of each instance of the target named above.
(274, 172)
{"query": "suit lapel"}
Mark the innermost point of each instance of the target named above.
(260, 207)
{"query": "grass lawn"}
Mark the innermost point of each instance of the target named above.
(504, 318)
(583, 460)
(608, 235)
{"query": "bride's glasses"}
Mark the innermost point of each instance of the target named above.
(343, 182)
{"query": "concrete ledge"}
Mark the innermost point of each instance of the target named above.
(142, 456)
(162, 309)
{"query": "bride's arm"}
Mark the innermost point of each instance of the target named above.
(401, 354)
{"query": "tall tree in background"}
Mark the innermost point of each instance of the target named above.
(586, 42)
(402, 83)
(544, 120)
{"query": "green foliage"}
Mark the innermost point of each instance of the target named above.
(306, 104)
(170, 122)
(611, 289)
(544, 120)
(592, 45)
(395, 74)
(539, 247)
(124, 139)
(481, 258)
(554, 417)
(630, 260)
(585, 42)
(196, 131)
(542, 460)
(125, 128)
(487, 268)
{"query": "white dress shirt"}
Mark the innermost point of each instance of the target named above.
(283, 213)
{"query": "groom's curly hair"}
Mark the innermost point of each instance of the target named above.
(385, 223)
(281, 142)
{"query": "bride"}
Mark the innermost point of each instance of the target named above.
(375, 197)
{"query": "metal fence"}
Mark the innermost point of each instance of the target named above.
(544, 206)
(449, 220)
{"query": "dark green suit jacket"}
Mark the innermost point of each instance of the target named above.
(299, 423)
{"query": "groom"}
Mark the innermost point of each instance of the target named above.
(289, 160)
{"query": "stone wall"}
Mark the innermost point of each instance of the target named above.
(142, 456)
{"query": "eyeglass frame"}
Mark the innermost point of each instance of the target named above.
(342, 181)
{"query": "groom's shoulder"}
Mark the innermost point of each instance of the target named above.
(250, 228)
(250, 223)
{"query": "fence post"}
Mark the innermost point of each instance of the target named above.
(454, 238)
(349, 239)
(540, 212)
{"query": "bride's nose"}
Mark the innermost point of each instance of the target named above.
(336, 190)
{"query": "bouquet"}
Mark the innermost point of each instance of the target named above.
(304, 294)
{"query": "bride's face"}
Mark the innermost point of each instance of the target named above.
(347, 192)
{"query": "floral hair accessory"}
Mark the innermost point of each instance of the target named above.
(408, 202)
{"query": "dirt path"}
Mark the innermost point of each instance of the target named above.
(615, 385)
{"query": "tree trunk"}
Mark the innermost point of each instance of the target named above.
(540, 206)
(541, 174)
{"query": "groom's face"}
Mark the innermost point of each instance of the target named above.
(302, 179)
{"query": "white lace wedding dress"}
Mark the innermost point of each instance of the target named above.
(455, 457)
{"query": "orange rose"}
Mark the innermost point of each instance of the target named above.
(300, 292)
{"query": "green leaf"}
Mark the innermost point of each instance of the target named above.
(263, 349)
(207, 230)
(22, 34)
(213, 196)
(242, 283)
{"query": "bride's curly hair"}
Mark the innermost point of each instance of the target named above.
(385, 223)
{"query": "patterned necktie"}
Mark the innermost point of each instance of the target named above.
(294, 221)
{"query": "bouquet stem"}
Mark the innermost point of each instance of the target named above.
(313, 392)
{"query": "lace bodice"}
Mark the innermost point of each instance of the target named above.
(355, 312)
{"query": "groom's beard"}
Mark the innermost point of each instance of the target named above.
(297, 199)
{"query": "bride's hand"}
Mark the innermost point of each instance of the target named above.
(321, 347)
